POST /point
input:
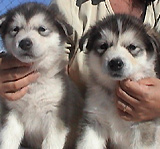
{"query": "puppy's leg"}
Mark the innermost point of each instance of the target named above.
(12, 132)
(144, 135)
(92, 138)
(55, 139)
(157, 138)
(55, 136)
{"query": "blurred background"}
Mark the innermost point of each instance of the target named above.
(8, 4)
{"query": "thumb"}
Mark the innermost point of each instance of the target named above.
(148, 81)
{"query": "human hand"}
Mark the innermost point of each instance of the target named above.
(138, 101)
(15, 77)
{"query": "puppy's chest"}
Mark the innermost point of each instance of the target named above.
(43, 96)
(102, 107)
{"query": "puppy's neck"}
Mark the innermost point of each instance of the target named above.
(49, 71)
(107, 84)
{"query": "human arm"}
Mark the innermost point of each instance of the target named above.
(14, 78)
(142, 99)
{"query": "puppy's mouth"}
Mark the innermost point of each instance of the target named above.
(26, 57)
(29, 55)
(116, 75)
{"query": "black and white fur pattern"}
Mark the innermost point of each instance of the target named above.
(48, 114)
(118, 47)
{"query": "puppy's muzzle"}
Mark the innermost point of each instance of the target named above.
(25, 44)
(115, 64)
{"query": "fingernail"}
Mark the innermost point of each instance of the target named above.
(37, 74)
(28, 64)
(118, 102)
(26, 88)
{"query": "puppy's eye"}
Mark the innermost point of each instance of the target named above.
(14, 31)
(43, 31)
(104, 46)
(131, 47)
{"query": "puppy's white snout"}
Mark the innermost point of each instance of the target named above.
(115, 64)
(26, 44)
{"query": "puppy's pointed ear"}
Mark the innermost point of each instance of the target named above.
(59, 19)
(154, 36)
(87, 41)
(83, 42)
(64, 27)
(2, 20)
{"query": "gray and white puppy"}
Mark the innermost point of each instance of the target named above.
(48, 114)
(119, 47)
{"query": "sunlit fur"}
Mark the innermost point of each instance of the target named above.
(126, 39)
(50, 110)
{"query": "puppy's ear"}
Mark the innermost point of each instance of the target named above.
(155, 41)
(60, 20)
(2, 20)
(64, 27)
(87, 41)
(154, 36)
(83, 42)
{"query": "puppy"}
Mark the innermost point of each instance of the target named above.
(118, 47)
(48, 114)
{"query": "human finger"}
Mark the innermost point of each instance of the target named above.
(134, 89)
(126, 98)
(121, 105)
(17, 91)
(8, 62)
(17, 85)
(14, 74)
(149, 81)
(124, 115)
(16, 95)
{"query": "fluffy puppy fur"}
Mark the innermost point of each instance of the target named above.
(48, 114)
(118, 47)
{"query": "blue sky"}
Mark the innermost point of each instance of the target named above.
(7, 4)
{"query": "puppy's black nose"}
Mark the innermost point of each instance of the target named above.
(116, 64)
(25, 44)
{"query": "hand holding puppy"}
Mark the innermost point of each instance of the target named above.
(15, 76)
(139, 101)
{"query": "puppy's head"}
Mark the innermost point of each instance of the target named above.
(32, 31)
(121, 47)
